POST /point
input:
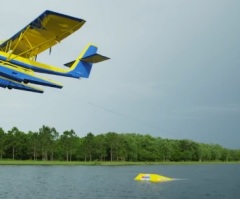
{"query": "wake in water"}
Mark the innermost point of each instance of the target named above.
(178, 179)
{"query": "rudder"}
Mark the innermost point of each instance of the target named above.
(82, 66)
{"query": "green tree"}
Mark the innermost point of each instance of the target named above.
(216, 151)
(204, 152)
(68, 143)
(147, 150)
(225, 155)
(130, 147)
(112, 141)
(176, 153)
(16, 142)
(159, 143)
(100, 147)
(34, 143)
(2, 142)
(166, 148)
(12, 140)
(46, 144)
(88, 146)
(48, 137)
(189, 150)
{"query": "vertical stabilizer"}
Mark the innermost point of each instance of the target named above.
(82, 66)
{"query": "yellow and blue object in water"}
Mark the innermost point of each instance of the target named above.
(152, 177)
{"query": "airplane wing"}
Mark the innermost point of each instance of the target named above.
(44, 32)
(11, 84)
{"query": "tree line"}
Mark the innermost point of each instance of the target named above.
(48, 144)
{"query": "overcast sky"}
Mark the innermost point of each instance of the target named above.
(174, 70)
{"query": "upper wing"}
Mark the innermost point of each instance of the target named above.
(42, 33)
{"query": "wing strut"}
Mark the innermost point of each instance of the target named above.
(12, 50)
(35, 47)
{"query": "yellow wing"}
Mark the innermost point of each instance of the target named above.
(42, 33)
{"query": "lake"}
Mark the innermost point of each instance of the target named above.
(117, 182)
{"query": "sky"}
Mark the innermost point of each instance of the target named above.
(173, 73)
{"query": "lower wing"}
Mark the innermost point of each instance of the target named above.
(11, 84)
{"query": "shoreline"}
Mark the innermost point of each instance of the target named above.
(107, 163)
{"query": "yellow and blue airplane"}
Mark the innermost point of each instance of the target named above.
(18, 54)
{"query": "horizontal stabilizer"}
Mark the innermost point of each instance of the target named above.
(95, 58)
(69, 64)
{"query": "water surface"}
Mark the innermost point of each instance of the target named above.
(117, 182)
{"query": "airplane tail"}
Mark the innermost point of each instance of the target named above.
(81, 67)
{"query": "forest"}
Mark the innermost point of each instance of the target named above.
(48, 144)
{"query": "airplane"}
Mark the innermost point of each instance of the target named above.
(18, 55)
